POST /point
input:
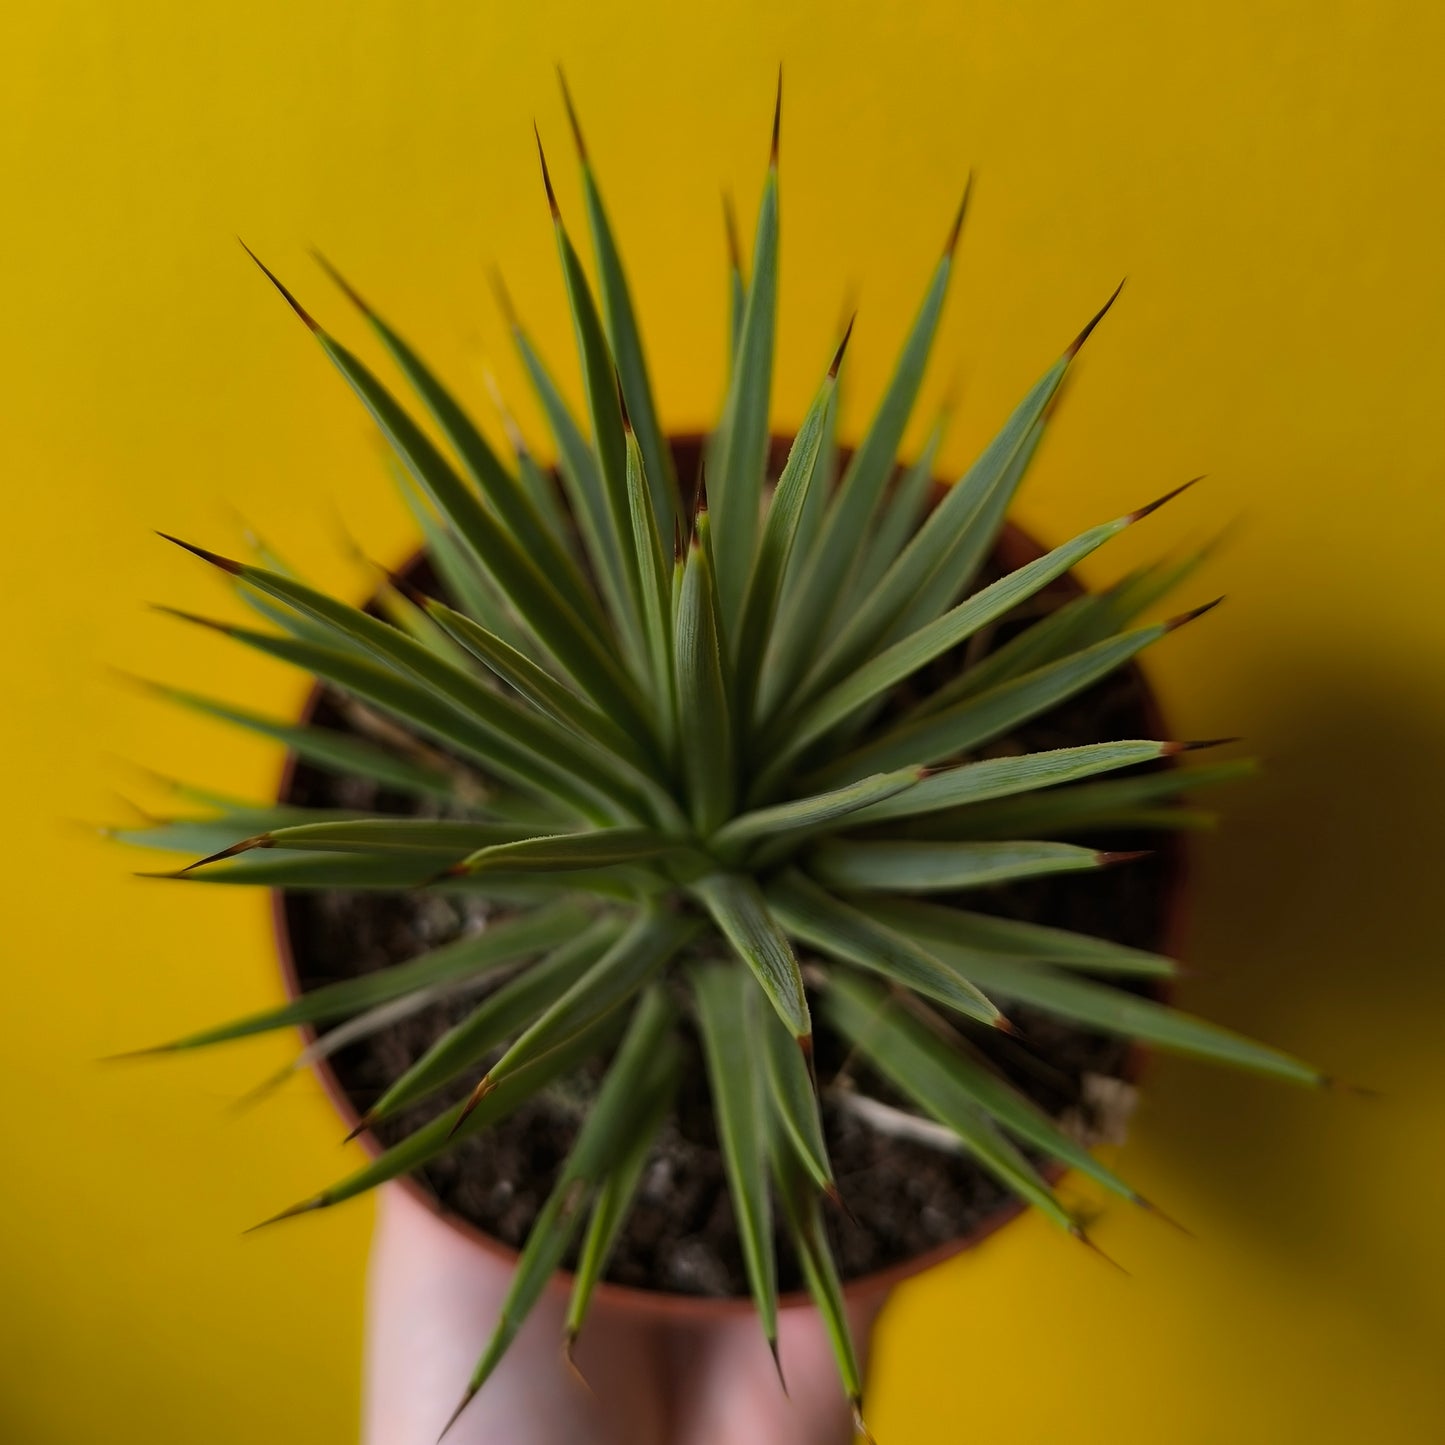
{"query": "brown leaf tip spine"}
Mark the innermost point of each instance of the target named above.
(477, 1095)
(842, 347)
(778, 1364)
(1072, 350)
(860, 1427)
(831, 1194)
(1006, 1025)
(699, 506)
(546, 176)
(146, 1053)
(291, 301)
(362, 1125)
(1171, 750)
(1088, 1243)
(457, 1413)
(263, 840)
(1191, 614)
(956, 230)
(572, 117)
(306, 1206)
(1167, 497)
(569, 1344)
(1149, 1207)
(347, 289)
(1110, 860)
(214, 558)
(777, 123)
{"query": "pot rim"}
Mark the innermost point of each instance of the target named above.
(1017, 547)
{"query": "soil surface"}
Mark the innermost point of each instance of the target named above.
(905, 1198)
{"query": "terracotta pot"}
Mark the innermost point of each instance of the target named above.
(1014, 548)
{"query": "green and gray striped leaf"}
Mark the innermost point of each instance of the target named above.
(737, 907)
(723, 993)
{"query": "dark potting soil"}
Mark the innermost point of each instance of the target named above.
(905, 1198)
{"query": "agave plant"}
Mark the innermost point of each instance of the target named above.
(661, 735)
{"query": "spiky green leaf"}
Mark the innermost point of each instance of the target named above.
(722, 993)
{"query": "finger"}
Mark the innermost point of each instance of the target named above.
(726, 1389)
(432, 1300)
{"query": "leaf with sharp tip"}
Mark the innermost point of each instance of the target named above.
(879, 1024)
(626, 338)
(960, 528)
(567, 636)
(1062, 633)
(558, 852)
(736, 904)
(939, 562)
(647, 1064)
(888, 668)
(583, 482)
(614, 1199)
(924, 867)
(539, 687)
(514, 1005)
(1000, 777)
(551, 747)
(837, 556)
(903, 1051)
(599, 378)
(820, 1274)
(799, 475)
(967, 933)
(703, 716)
(974, 721)
(385, 837)
(508, 751)
(390, 873)
(1101, 1006)
(654, 581)
(806, 815)
(469, 957)
(204, 836)
(1079, 624)
(828, 924)
(501, 489)
(616, 977)
(722, 992)
(445, 1132)
(363, 1026)
(1118, 803)
(805, 538)
(740, 447)
(954, 577)
(792, 1098)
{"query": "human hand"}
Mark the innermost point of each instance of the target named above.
(433, 1299)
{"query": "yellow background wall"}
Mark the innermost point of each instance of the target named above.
(1269, 176)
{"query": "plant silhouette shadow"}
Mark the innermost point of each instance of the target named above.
(1316, 929)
